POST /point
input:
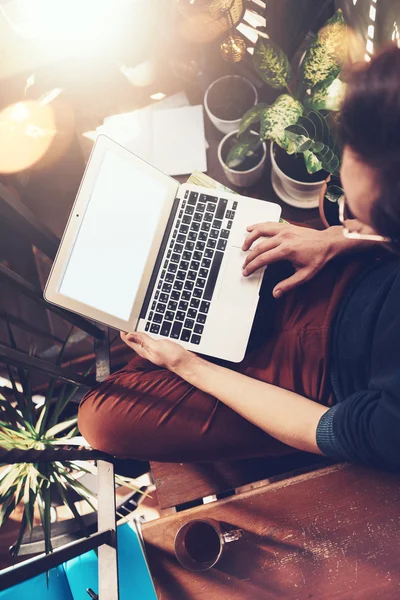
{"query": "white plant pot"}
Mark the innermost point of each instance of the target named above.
(293, 192)
(221, 124)
(242, 178)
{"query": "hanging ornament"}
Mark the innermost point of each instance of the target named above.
(233, 49)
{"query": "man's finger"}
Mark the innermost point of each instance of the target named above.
(261, 248)
(259, 230)
(290, 283)
(266, 258)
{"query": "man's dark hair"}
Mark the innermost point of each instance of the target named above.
(370, 125)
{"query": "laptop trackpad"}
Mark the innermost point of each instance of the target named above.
(235, 289)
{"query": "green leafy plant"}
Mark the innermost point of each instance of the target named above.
(299, 121)
(24, 427)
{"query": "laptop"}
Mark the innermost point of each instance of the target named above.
(141, 252)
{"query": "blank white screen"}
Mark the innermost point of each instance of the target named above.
(109, 255)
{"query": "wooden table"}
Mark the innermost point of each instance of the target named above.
(330, 534)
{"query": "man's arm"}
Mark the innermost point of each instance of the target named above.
(286, 416)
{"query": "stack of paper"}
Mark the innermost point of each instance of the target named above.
(168, 134)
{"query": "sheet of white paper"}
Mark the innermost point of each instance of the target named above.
(178, 140)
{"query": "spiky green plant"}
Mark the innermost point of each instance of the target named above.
(299, 121)
(23, 427)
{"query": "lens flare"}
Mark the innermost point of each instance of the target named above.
(27, 130)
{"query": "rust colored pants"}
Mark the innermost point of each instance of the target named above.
(148, 413)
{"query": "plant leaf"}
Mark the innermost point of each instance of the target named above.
(327, 53)
(246, 146)
(70, 504)
(312, 162)
(253, 115)
(326, 97)
(333, 193)
(284, 112)
(60, 427)
(271, 63)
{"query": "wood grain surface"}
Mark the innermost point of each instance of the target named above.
(330, 534)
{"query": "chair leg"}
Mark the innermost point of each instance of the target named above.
(108, 558)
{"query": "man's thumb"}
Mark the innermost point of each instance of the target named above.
(289, 284)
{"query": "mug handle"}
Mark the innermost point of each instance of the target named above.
(233, 536)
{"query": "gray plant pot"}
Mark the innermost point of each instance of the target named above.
(242, 178)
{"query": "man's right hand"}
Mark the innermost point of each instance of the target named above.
(307, 249)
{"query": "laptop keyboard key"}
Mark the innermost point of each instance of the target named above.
(184, 265)
(154, 328)
(229, 225)
(207, 198)
(197, 255)
(192, 275)
(205, 226)
(164, 298)
(166, 328)
(211, 207)
(158, 318)
(203, 236)
(212, 279)
(159, 284)
(161, 307)
(194, 303)
(195, 339)
(203, 273)
(186, 295)
(211, 243)
(208, 217)
(147, 326)
(186, 220)
(192, 313)
(214, 233)
(200, 282)
(185, 335)
(209, 253)
(195, 226)
(178, 247)
(234, 205)
(172, 268)
(192, 236)
(169, 278)
(195, 265)
(229, 214)
(183, 228)
(175, 258)
(169, 315)
(197, 293)
(180, 315)
(153, 306)
(201, 318)
(200, 246)
(204, 307)
(189, 246)
(200, 207)
(178, 285)
(189, 210)
(183, 305)
(189, 285)
(172, 305)
(221, 208)
(193, 198)
(206, 262)
(225, 233)
(198, 328)
(156, 295)
(221, 244)
(176, 330)
(189, 324)
(181, 239)
(181, 275)
(175, 295)
(217, 224)
(166, 287)
(186, 255)
(197, 217)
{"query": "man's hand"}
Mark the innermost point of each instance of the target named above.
(307, 249)
(162, 353)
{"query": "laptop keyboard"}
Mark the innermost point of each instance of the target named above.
(181, 299)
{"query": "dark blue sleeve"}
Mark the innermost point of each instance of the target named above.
(364, 428)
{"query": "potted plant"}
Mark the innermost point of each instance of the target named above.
(301, 121)
(24, 427)
(246, 171)
(227, 99)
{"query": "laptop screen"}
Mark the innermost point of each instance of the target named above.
(109, 255)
